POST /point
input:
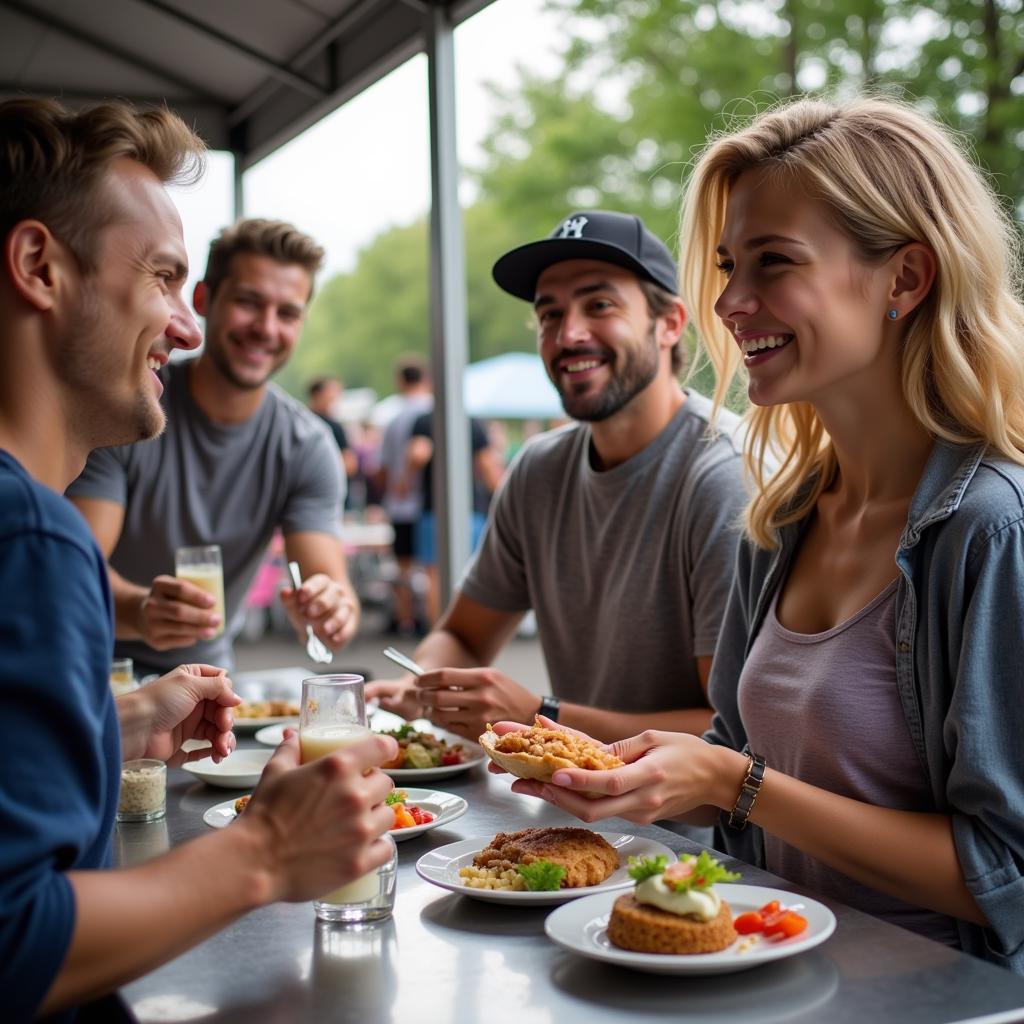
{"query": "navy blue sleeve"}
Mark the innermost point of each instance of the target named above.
(59, 748)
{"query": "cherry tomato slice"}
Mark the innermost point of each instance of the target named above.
(786, 925)
(770, 908)
(749, 923)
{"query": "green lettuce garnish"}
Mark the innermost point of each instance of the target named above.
(542, 875)
(705, 871)
(646, 867)
(401, 732)
(396, 796)
(688, 873)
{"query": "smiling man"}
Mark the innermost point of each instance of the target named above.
(618, 531)
(239, 459)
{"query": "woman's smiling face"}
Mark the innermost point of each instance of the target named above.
(807, 311)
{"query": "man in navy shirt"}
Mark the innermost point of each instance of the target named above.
(90, 308)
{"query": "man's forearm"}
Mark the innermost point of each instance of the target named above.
(128, 922)
(609, 726)
(441, 648)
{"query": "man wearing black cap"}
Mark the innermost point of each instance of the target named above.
(618, 531)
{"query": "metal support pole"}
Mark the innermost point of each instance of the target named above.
(238, 195)
(448, 321)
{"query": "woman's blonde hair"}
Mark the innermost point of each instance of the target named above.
(890, 176)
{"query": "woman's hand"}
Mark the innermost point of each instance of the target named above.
(666, 775)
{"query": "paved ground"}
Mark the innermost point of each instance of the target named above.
(521, 658)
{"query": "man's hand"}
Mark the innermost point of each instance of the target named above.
(464, 700)
(176, 613)
(397, 695)
(325, 605)
(317, 826)
(193, 702)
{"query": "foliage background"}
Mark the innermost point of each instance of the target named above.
(642, 84)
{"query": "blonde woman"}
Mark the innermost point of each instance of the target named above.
(867, 734)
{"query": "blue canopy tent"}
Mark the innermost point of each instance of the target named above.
(513, 386)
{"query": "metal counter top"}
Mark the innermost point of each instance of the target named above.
(451, 959)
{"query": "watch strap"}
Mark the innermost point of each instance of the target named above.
(751, 786)
(549, 707)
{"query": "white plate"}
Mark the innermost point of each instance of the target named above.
(445, 807)
(441, 867)
(273, 734)
(249, 724)
(581, 927)
(241, 770)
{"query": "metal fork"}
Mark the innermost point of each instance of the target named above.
(315, 647)
(402, 659)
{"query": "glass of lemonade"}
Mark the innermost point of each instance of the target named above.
(333, 715)
(202, 567)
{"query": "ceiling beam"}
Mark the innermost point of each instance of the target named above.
(277, 70)
(66, 28)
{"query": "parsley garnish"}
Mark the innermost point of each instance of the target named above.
(396, 796)
(542, 875)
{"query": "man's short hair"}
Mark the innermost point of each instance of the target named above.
(317, 384)
(53, 161)
(660, 302)
(411, 369)
(277, 239)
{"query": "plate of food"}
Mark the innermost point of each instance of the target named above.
(537, 865)
(255, 714)
(416, 811)
(241, 770)
(429, 753)
(688, 917)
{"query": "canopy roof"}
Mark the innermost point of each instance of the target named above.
(248, 74)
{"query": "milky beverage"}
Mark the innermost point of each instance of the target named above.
(211, 579)
(315, 741)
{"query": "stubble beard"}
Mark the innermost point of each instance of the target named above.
(639, 368)
(88, 365)
(220, 360)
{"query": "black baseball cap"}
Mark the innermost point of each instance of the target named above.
(618, 238)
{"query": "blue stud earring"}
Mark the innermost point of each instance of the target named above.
(893, 314)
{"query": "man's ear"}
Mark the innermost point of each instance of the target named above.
(201, 298)
(914, 274)
(36, 263)
(672, 324)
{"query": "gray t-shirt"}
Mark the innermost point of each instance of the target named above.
(627, 569)
(203, 483)
(393, 445)
(837, 692)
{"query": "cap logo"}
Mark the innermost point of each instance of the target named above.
(572, 227)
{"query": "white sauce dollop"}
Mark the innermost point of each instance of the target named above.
(702, 905)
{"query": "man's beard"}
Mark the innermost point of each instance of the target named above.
(220, 360)
(639, 368)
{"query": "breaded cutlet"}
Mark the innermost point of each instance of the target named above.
(588, 858)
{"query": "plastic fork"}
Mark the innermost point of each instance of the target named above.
(316, 649)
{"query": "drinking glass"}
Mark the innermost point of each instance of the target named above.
(122, 677)
(202, 567)
(333, 715)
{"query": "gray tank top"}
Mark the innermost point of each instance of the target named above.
(824, 708)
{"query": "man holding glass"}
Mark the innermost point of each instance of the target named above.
(239, 459)
(90, 305)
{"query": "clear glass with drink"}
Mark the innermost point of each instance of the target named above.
(202, 567)
(122, 676)
(333, 715)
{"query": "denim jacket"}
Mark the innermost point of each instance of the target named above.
(959, 648)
